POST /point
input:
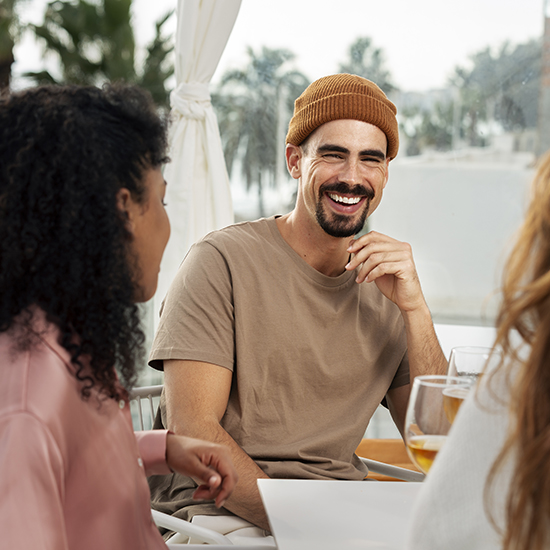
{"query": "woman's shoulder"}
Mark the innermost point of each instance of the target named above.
(36, 372)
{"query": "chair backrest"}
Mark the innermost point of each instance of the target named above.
(144, 402)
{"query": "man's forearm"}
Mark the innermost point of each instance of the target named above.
(245, 500)
(425, 357)
(424, 350)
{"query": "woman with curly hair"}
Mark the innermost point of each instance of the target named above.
(490, 485)
(82, 232)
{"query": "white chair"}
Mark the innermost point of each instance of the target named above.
(143, 405)
(390, 470)
(197, 533)
(188, 530)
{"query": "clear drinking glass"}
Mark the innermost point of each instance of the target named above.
(433, 404)
(470, 361)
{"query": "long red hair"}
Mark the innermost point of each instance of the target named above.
(525, 310)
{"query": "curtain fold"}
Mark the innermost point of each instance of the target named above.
(198, 195)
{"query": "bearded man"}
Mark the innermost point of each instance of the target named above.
(280, 337)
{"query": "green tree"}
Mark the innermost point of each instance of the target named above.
(10, 31)
(427, 128)
(158, 68)
(253, 106)
(367, 61)
(501, 86)
(94, 42)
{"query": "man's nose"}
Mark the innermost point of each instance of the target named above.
(350, 173)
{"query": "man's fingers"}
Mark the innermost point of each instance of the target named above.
(371, 273)
(389, 263)
(379, 252)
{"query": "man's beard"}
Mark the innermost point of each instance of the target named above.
(340, 225)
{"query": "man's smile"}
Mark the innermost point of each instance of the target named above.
(344, 200)
(346, 205)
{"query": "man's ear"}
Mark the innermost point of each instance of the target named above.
(125, 205)
(293, 160)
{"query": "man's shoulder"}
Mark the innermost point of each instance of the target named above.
(237, 234)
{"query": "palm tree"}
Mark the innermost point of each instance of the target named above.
(10, 30)
(254, 106)
(367, 61)
(157, 69)
(94, 42)
(501, 86)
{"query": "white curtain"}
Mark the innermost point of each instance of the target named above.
(198, 193)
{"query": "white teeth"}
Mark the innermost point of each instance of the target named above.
(344, 200)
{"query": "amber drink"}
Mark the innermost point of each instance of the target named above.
(453, 397)
(433, 405)
(424, 448)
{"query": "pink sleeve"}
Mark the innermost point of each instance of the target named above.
(31, 486)
(152, 448)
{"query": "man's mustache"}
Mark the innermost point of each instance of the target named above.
(345, 189)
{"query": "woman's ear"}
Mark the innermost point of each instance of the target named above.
(125, 205)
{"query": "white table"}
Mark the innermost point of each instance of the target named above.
(338, 515)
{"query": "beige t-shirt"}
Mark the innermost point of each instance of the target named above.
(312, 356)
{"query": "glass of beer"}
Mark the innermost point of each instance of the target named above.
(433, 405)
(470, 361)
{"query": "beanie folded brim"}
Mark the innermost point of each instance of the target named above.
(339, 97)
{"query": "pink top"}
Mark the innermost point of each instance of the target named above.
(72, 475)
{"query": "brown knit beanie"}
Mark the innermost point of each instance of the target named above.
(342, 96)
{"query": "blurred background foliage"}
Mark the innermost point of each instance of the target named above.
(92, 41)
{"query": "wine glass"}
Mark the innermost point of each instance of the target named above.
(470, 361)
(433, 404)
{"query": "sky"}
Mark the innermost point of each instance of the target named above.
(423, 40)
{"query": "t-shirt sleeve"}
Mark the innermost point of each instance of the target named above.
(31, 485)
(197, 317)
(401, 377)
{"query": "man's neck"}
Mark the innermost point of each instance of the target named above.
(326, 254)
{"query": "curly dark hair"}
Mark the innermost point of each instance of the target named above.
(65, 152)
